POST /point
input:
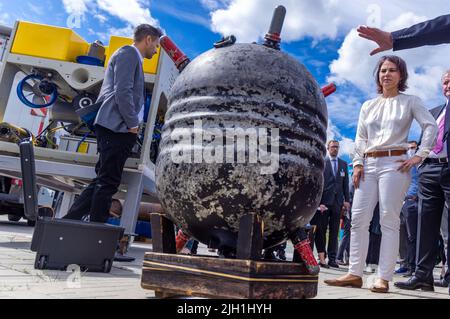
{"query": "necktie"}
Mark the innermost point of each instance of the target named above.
(333, 161)
(447, 127)
(440, 138)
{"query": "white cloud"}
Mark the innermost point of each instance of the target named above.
(101, 18)
(347, 145)
(249, 20)
(182, 15)
(78, 7)
(38, 10)
(4, 18)
(133, 12)
(343, 107)
(122, 32)
(214, 4)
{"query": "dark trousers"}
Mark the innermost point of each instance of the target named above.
(373, 254)
(328, 220)
(403, 249)
(345, 242)
(410, 212)
(95, 200)
(441, 251)
(434, 191)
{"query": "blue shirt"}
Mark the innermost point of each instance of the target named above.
(413, 187)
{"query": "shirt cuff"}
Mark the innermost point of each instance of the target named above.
(132, 123)
(358, 162)
(423, 153)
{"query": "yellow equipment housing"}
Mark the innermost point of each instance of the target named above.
(63, 44)
(115, 43)
(44, 41)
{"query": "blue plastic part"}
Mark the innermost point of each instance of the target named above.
(89, 60)
(148, 103)
(89, 119)
(24, 100)
(88, 114)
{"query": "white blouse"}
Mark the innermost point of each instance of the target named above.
(384, 124)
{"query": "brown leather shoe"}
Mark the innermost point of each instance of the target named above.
(354, 282)
(380, 288)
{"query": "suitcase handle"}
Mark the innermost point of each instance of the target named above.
(27, 165)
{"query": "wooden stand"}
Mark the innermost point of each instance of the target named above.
(247, 277)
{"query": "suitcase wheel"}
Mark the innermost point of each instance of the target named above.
(14, 218)
(41, 263)
(107, 265)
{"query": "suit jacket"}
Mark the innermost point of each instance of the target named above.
(122, 92)
(435, 112)
(431, 32)
(335, 189)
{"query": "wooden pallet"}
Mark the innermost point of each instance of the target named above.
(247, 277)
(226, 278)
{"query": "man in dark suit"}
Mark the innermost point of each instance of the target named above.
(335, 196)
(410, 212)
(434, 192)
(117, 122)
(431, 32)
(344, 246)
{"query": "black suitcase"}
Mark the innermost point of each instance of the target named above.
(59, 243)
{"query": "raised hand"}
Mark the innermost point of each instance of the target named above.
(380, 37)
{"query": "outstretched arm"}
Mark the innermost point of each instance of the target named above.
(431, 32)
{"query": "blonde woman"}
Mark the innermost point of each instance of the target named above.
(382, 169)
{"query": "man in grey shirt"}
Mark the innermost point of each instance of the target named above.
(117, 122)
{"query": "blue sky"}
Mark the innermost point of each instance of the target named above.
(318, 33)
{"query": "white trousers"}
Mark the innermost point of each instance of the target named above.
(382, 183)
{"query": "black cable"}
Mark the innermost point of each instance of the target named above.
(48, 126)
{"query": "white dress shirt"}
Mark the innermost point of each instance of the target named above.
(332, 165)
(141, 113)
(139, 53)
(384, 124)
(443, 153)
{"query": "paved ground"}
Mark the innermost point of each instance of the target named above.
(19, 279)
(327, 292)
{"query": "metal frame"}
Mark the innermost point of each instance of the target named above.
(70, 171)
